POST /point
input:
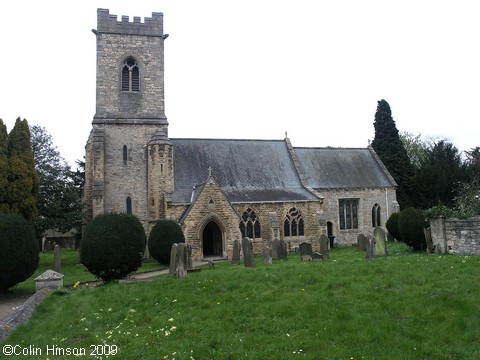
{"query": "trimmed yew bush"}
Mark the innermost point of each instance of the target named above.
(113, 245)
(410, 224)
(18, 251)
(164, 234)
(392, 226)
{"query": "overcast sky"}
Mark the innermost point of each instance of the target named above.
(255, 69)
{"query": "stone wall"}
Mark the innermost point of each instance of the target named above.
(456, 236)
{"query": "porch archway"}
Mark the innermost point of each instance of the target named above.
(212, 240)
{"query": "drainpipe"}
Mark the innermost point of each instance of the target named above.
(386, 202)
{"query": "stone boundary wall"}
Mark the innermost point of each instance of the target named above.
(456, 236)
(23, 313)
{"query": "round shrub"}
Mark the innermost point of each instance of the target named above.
(410, 224)
(18, 251)
(164, 234)
(392, 226)
(113, 245)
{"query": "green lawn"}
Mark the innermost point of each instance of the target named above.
(72, 270)
(405, 306)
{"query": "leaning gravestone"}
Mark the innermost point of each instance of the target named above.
(182, 260)
(361, 242)
(236, 252)
(380, 241)
(323, 242)
(173, 260)
(428, 238)
(57, 260)
(247, 248)
(370, 247)
(267, 255)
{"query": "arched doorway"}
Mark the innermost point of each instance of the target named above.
(212, 240)
(330, 235)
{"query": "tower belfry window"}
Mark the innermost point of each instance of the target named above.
(130, 75)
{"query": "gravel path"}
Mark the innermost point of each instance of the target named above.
(17, 311)
(7, 307)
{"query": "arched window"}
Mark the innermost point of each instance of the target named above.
(348, 213)
(130, 75)
(129, 205)
(293, 224)
(250, 224)
(376, 216)
(125, 154)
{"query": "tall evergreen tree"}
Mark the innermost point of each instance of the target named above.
(59, 199)
(390, 149)
(4, 206)
(23, 178)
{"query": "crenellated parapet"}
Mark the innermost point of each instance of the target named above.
(108, 23)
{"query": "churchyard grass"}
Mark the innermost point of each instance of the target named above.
(404, 306)
(71, 268)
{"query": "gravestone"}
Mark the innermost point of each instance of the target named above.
(316, 256)
(380, 242)
(275, 248)
(305, 251)
(370, 247)
(173, 260)
(182, 260)
(428, 238)
(361, 242)
(247, 248)
(211, 265)
(323, 242)
(282, 250)
(57, 260)
(236, 252)
(267, 255)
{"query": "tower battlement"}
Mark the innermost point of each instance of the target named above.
(108, 23)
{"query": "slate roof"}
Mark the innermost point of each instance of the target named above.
(330, 168)
(246, 170)
(263, 170)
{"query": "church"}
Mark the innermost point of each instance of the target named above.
(217, 190)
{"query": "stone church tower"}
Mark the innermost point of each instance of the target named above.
(129, 133)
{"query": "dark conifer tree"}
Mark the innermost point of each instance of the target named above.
(439, 174)
(4, 206)
(23, 178)
(390, 149)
